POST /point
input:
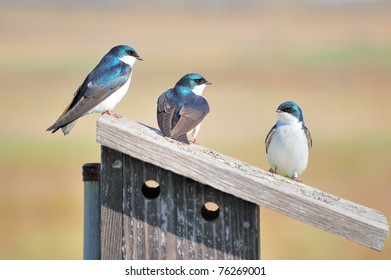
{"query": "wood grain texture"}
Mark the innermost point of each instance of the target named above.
(355, 222)
(171, 225)
(111, 195)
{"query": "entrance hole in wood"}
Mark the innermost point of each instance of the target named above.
(210, 211)
(151, 189)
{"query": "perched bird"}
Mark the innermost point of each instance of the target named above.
(102, 89)
(288, 142)
(181, 109)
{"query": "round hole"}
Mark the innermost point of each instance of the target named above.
(151, 189)
(210, 211)
(246, 224)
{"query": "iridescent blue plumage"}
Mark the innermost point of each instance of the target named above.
(181, 109)
(102, 89)
(293, 109)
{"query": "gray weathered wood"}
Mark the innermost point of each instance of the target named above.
(171, 226)
(355, 222)
(91, 232)
(111, 196)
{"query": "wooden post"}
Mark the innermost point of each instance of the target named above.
(91, 234)
(152, 213)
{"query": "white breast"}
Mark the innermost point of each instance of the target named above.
(110, 102)
(288, 150)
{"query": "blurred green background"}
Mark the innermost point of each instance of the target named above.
(332, 57)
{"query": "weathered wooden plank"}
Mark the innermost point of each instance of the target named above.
(111, 204)
(355, 222)
(171, 226)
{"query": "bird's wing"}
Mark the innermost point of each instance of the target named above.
(165, 111)
(308, 135)
(103, 81)
(99, 84)
(269, 136)
(191, 114)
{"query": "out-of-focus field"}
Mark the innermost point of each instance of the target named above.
(333, 60)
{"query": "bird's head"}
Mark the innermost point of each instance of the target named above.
(126, 54)
(289, 112)
(195, 82)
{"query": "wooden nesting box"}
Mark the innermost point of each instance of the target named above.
(160, 199)
(151, 213)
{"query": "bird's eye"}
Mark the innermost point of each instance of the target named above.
(131, 53)
(288, 110)
(200, 81)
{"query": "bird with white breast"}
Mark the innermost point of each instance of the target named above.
(288, 142)
(102, 89)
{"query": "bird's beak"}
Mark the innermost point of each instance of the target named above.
(208, 83)
(278, 111)
(139, 58)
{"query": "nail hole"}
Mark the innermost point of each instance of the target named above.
(246, 224)
(117, 164)
(151, 189)
(210, 211)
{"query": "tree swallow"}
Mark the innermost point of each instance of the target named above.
(288, 142)
(102, 89)
(181, 109)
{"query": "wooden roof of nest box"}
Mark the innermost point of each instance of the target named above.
(355, 222)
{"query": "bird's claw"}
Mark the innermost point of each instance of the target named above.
(296, 179)
(111, 113)
(273, 171)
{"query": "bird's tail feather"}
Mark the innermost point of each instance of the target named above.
(67, 128)
(60, 121)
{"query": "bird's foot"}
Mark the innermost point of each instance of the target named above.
(194, 141)
(111, 113)
(271, 170)
(297, 180)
